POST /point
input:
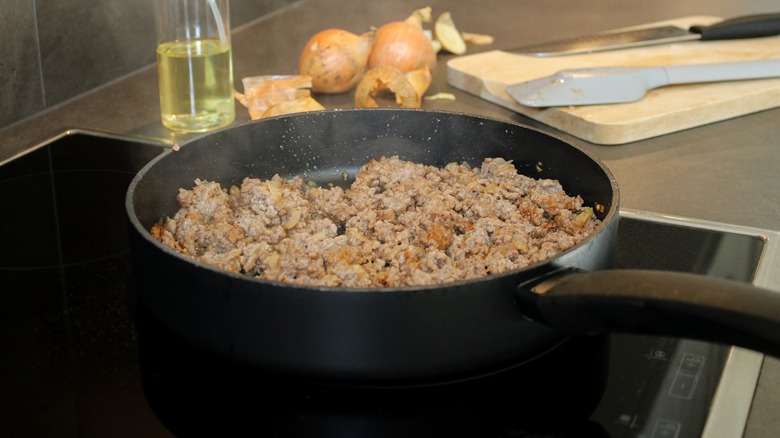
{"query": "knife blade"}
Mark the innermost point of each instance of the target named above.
(748, 26)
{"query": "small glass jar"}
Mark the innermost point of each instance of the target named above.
(194, 64)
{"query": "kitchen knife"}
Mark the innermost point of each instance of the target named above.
(749, 26)
(604, 85)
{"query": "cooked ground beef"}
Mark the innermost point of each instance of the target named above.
(400, 223)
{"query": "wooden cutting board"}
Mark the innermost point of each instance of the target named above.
(663, 110)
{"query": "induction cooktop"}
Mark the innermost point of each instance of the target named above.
(81, 356)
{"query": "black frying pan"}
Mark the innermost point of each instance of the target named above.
(405, 334)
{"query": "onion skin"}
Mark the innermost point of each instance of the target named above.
(407, 87)
(403, 45)
(335, 59)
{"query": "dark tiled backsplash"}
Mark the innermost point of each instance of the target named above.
(20, 84)
(58, 49)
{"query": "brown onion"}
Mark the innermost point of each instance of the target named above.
(335, 59)
(403, 45)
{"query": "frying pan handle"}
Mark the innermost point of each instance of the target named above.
(655, 302)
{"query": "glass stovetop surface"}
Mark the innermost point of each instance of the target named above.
(80, 356)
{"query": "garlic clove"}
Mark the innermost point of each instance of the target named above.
(478, 39)
(448, 35)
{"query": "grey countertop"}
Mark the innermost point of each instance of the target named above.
(723, 172)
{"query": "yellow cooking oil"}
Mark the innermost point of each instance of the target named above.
(196, 85)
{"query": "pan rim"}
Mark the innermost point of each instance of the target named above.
(610, 216)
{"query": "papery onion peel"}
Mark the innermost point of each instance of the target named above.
(270, 95)
(408, 87)
(302, 104)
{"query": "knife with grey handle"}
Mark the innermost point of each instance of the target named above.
(606, 85)
(748, 26)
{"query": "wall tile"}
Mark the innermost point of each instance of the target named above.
(244, 11)
(21, 94)
(86, 43)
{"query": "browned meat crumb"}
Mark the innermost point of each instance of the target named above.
(399, 224)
